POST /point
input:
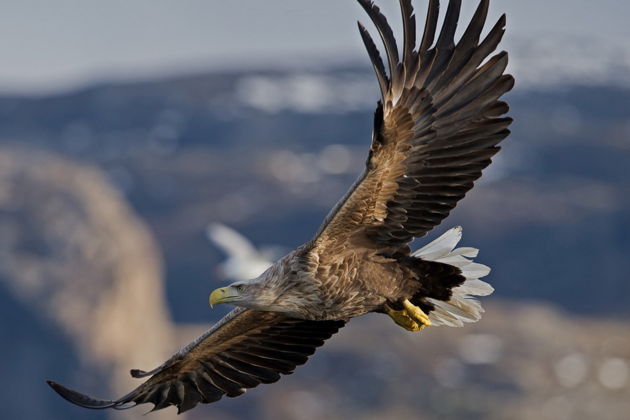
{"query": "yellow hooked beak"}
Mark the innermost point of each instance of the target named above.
(224, 295)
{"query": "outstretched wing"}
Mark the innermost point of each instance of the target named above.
(435, 129)
(244, 349)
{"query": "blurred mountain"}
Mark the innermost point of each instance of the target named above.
(270, 152)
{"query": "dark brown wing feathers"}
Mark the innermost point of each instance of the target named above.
(442, 120)
(387, 36)
(375, 58)
(243, 350)
(409, 30)
(430, 26)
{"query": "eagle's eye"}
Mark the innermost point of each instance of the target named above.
(239, 287)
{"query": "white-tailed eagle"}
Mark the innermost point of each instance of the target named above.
(436, 127)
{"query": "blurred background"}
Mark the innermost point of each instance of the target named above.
(126, 128)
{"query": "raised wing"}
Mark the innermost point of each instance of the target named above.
(435, 129)
(244, 349)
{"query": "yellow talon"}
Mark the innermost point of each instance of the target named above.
(411, 318)
(416, 313)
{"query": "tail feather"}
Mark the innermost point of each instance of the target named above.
(462, 307)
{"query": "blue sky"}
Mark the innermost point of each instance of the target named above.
(52, 45)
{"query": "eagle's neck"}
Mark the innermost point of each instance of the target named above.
(288, 287)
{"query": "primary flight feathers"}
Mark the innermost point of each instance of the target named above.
(244, 349)
(436, 127)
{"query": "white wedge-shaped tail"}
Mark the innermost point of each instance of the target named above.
(462, 306)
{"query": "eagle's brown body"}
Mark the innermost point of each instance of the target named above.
(370, 280)
(437, 125)
(373, 279)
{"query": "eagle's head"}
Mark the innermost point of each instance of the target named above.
(279, 289)
(242, 293)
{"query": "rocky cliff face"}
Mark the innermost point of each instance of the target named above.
(76, 259)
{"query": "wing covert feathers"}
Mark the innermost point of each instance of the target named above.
(437, 126)
(243, 350)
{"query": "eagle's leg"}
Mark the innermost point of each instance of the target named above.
(410, 317)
